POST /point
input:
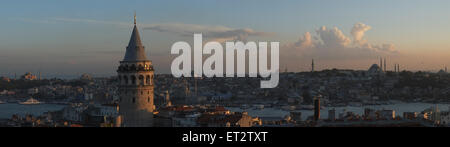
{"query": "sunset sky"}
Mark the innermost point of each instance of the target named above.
(67, 38)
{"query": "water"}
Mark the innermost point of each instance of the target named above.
(399, 109)
(7, 110)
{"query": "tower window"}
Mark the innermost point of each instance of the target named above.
(147, 80)
(125, 78)
(133, 80)
(134, 100)
(148, 99)
(141, 80)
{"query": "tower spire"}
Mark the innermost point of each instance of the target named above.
(135, 50)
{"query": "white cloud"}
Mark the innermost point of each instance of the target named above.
(333, 37)
(358, 31)
(210, 32)
(334, 44)
(213, 33)
(305, 41)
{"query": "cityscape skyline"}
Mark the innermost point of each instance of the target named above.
(65, 39)
(343, 64)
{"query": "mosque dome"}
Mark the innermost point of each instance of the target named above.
(374, 68)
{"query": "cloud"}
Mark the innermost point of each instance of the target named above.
(88, 21)
(305, 41)
(212, 33)
(333, 37)
(334, 44)
(358, 31)
(56, 20)
(28, 20)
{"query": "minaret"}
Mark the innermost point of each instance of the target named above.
(135, 75)
(384, 65)
(381, 64)
(312, 65)
(395, 68)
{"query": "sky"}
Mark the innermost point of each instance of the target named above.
(68, 38)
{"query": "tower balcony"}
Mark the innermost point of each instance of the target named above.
(134, 69)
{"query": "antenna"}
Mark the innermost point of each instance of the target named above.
(135, 17)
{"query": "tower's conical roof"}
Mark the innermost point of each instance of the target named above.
(135, 49)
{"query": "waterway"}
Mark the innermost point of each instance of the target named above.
(399, 108)
(9, 109)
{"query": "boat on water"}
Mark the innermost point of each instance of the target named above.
(1, 102)
(30, 101)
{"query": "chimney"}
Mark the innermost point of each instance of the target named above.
(316, 108)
